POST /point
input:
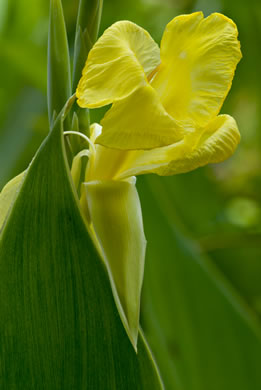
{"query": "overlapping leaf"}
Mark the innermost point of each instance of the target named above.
(59, 326)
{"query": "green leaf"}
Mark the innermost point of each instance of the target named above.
(203, 334)
(59, 74)
(59, 326)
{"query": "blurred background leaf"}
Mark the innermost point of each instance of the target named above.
(203, 334)
(217, 207)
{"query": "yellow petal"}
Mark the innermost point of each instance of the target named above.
(115, 213)
(104, 163)
(117, 64)
(95, 131)
(8, 195)
(198, 61)
(139, 122)
(215, 143)
(77, 166)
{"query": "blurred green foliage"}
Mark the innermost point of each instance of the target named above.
(217, 208)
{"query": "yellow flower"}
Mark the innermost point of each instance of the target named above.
(163, 119)
(164, 102)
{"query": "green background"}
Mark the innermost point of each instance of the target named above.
(201, 304)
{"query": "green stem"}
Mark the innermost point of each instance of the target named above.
(59, 73)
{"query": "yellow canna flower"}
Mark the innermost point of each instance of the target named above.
(163, 119)
(165, 102)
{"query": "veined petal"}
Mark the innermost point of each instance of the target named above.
(117, 65)
(139, 122)
(215, 143)
(198, 61)
(115, 213)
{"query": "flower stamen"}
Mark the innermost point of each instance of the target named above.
(87, 139)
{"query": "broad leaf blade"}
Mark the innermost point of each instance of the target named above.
(59, 326)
